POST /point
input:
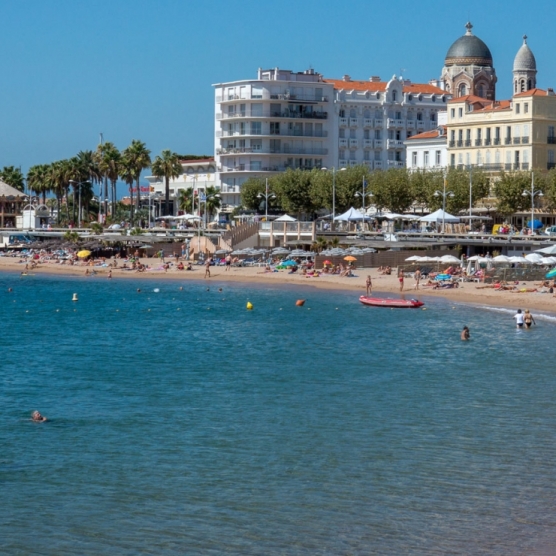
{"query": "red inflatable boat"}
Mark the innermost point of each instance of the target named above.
(389, 302)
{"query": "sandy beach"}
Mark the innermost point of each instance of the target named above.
(467, 292)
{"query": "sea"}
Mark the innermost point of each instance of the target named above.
(180, 422)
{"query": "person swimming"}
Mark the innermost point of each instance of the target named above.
(37, 417)
(465, 334)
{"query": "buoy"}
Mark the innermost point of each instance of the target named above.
(249, 306)
(75, 298)
(300, 302)
(156, 290)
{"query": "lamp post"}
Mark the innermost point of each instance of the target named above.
(266, 196)
(79, 184)
(333, 190)
(532, 193)
(444, 194)
(363, 195)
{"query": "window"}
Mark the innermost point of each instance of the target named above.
(366, 134)
(517, 108)
(342, 133)
(426, 159)
(255, 165)
(398, 135)
(433, 98)
(342, 113)
(378, 134)
(231, 109)
(275, 110)
(398, 115)
(419, 116)
(551, 157)
(452, 135)
(452, 159)
(488, 158)
(460, 159)
(526, 108)
(352, 134)
(414, 159)
(242, 128)
(460, 112)
(468, 159)
(256, 92)
(551, 131)
(377, 155)
(256, 128)
(479, 157)
(462, 90)
(256, 144)
(438, 158)
(352, 113)
(394, 96)
(497, 157)
(274, 128)
(433, 117)
(367, 155)
(468, 135)
(453, 113)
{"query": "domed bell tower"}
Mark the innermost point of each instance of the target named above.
(525, 69)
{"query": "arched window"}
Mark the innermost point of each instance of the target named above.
(462, 90)
(523, 85)
(529, 85)
(366, 113)
(497, 157)
(479, 157)
(488, 158)
(394, 96)
(515, 87)
(352, 113)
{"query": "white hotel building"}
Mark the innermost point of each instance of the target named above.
(286, 120)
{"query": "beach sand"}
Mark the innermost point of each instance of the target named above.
(468, 292)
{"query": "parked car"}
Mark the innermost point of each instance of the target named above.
(550, 231)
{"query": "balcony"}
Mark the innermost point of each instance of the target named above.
(517, 140)
(394, 144)
(367, 122)
(377, 164)
(551, 140)
(272, 96)
(525, 140)
(342, 162)
(487, 142)
(460, 143)
(306, 114)
(353, 143)
(353, 163)
(379, 122)
(283, 150)
(525, 165)
(410, 124)
(368, 164)
(367, 143)
(396, 164)
(452, 144)
(508, 141)
(299, 133)
(343, 143)
(258, 168)
(478, 142)
(353, 122)
(343, 122)
(468, 142)
(420, 124)
(393, 122)
(379, 144)
(496, 141)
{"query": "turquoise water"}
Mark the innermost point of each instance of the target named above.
(180, 423)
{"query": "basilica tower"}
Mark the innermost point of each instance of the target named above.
(525, 69)
(468, 68)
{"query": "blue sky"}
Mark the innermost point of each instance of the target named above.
(139, 69)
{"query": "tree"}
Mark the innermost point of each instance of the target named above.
(392, 189)
(186, 200)
(293, 191)
(38, 180)
(509, 192)
(139, 158)
(249, 191)
(108, 158)
(13, 176)
(213, 200)
(167, 165)
(127, 174)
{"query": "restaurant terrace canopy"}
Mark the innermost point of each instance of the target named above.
(440, 216)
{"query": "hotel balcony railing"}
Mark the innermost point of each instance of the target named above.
(271, 96)
(394, 122)
(525, 165)
(551, 165)
(478, 142)
(517, 140)
(377, 164)
(353, 163)
(394, 144)
(379, 122)
(525, 140)
(344, 122)
(452, 144)
(342, 162)
(460, 143)
(283, 150)
(367, 122)
(353, 143)
(343, 142)
(410, 124)
(551, 140)
(468, 142)
(266, 168)
(396, 164)
(353, 122)
(487, 142)
(496, 141)
(508, 141)
(420, 124)
(516, 166)
(274, 114)
(379, 143)
(282, 133)
(367, 143)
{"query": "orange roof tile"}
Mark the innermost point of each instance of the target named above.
(380, 86)
(533, 93)
(495, 106)
(470, 98)
(432, 134)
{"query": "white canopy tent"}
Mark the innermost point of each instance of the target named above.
(440, 216)
(352, 215)
(550, 250)
(186, 217)
(285, 218)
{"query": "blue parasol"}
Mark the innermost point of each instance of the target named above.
(536, 224)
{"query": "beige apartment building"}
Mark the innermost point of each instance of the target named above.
(515, 134)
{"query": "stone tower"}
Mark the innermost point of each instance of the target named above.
(525, 69)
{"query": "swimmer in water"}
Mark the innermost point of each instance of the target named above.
(465, 334)
(37, 417)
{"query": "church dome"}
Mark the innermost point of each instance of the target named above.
(525, 59)
(469, 50)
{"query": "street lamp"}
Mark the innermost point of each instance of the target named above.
(79, 184)
(333, 190)
(532, 193)
(444, 194)
(363, 195)
(266, 196)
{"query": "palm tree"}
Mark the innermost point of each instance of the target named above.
(108, 160)
(213, 200)
(12, 176)
(167, 166)
(140, 158)
(57, 179)
(89, 165)
(38, 180)
(186, 200)
(127, 174)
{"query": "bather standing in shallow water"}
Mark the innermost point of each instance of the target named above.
(37, 417)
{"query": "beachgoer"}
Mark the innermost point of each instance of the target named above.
(369, 285)
(207, 267)
(189, 266)
(519, 318)
(109, 274)
(228, 261)
(528, 319)
(37, 417)
(465, 333)
(417, 276)
(400, 279)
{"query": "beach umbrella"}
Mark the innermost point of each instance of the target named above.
(551, 274)
(350, 258)
(501, 259)
(536, 224)
(288, 263)
(520, 260)
(327, 262)
(84, 254)
(449, 259)
(533, 257)
(413, 258)
(550, 250)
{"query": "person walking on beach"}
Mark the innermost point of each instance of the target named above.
(400, 279)
(465, 334)
(207, 267)
(417, 277)
(228, 261)
(369, 285)
(519, 318)
(528, 319)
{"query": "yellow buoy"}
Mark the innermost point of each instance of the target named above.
(74, 298)
(249, 306)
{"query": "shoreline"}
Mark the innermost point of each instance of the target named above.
(467, 292)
